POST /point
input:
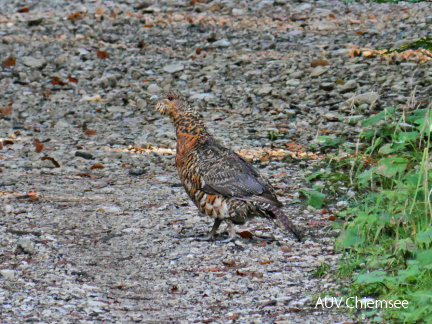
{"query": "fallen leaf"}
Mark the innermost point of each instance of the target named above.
(9, 62)
(32, 196)
(57, 165)
(45, 92)
(102, 55)
(90, 132)
(6, 110)
(71, 79)
(23, 10)
(319, 62)
(75, 15)
(8, 142)
(249, 273)
(198, 51)
(245, 234)
(99, 11)
(229, 263)
(339, 81)
(332, 217)
(38, 146)
(265, 262)
(1, 145)
(286, 249)
(56, 81)
(331, 16)
(359, 32)
(62, 262)
(147, 26)
(216, 269)
(97, 166)
(354, 52)
(233, 317)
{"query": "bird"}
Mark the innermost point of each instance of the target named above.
(221, 183)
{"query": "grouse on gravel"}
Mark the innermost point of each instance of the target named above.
(221, 183)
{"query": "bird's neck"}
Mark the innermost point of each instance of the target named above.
(190, 132)
(190, 125)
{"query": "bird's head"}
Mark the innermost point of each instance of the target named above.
(172, 104)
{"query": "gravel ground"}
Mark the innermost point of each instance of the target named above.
(94, 225)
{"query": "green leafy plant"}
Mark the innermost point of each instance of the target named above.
(387, 239)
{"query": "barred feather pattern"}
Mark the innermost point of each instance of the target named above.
(221, 183)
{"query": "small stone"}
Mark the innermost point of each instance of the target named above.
(153, 88)
(26, 245)
(61, 125)
(266, 89)
(319, 70)
(348, 86)
(85, 155)
(296, 75)
(201, 96)
(290, 112)
(33, 62)
(324, 25)
(173, 68)
(221, 43)
(239, 12)
(331, 116)
(368, 97)
(9, 274)
(327, 86)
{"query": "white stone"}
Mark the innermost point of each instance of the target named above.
(173, 68)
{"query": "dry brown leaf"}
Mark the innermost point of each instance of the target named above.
(359, 32)
(198, 51)
(216, 269)
(38, 146)
(21, 10)
(90, 132)
(8, 142)
(9, 62)
(249, 273)
(6, 110)
(57, 165)
(97, 166)
(32, 196)
(354, 52)
(45, 92)
(148, 26)
(72, 79)
(265, 262)
(75, 15)
(1, 145)
(56, 81)
(99, 11)
(319, 62)
(245, 234)
(102, 55)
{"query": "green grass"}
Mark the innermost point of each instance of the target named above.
(387, 238)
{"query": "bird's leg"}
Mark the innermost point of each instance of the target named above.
(231, 231)
(213, 231)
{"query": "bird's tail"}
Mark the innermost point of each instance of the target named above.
(287, 223)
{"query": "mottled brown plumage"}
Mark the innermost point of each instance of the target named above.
(220, 182)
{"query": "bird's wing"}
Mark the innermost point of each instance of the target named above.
(227, 173)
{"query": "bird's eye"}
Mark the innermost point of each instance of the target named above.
(170, 98)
